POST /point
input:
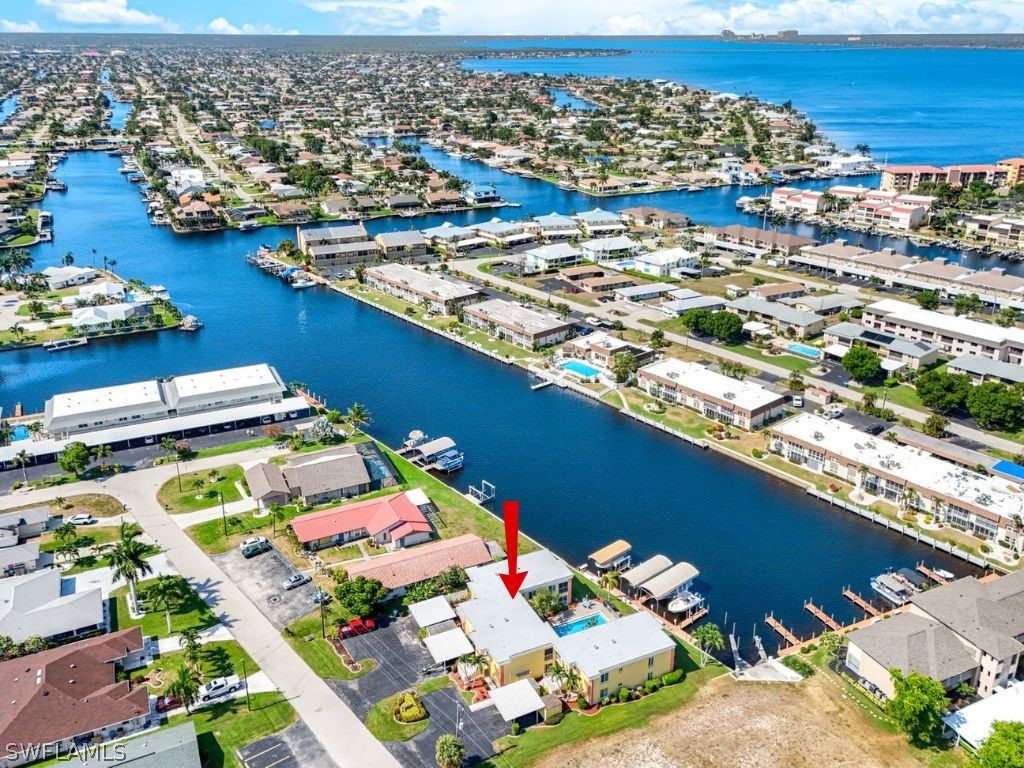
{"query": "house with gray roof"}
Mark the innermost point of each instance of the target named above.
(174, 747)
(823, 304)
(403, 243)
(896, 352)
(982, 369)
(35, 605)
(779, 316)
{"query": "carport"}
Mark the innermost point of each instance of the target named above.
(517, 700)
(427, 613)
(448, 646)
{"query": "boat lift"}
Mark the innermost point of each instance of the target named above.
(484, 494)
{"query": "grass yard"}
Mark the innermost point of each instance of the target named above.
(317, 652)
(192, 612)
(201, 490)
(228, 726)
(789, 362)
(219, 659)
(210, 537)
(534, 742)
(674, 416)
(382, 724)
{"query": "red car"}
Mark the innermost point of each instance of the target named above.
(357, 627)
(165, 703)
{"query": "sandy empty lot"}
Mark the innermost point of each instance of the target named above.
(748, 725)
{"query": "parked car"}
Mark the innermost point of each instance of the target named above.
(357, 627)
(220, 686)
(82, 518)
(875, 429)
(798, 401)
(254, 545)
(167, 703)
(295, 580)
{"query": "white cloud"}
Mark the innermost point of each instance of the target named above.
(17, 26)
(105, 12)
(395, 17)
(221, 26)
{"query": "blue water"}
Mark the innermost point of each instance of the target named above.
(20, 432)
(581, 368)
(909, 104)
(579, 625)
(565, 99)
(7, 107)
(803, 349)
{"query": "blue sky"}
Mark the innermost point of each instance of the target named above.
(455, 17)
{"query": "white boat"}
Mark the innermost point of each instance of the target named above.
(303, 283)
(58, 344)
(892, 588)
(684, 602)
(695, 188)
(943, 574)
(249, 226)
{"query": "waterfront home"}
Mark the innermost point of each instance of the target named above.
(907, 477)
(777, 291)
(896, 352)
(197, 213)
(952, 335)
(521, 324)
(649, 216)
(395, 521)
(554, 226)
(610, 248)
(662, 263)
(452, 238)
(443, 198)
(315, 478)
(400, 570)
(1014, 168)
(440, 295)
(618, 654)
(343, 254)
(34, 604)
(106, 317)
(71, 696)
(597, 222)
(503, 234)
(403, 201)
(757, 241)
(745, 404)
(600, 348)
(308, 237)
(550, 257)
(616, 556)
(823, 303)
(996, 229)
(903, 178)
(65, 277)
(783, 319)
(403, 244)
(791, 200)
(878, 213)
(962, 632)
(479, 195)
(982, 369)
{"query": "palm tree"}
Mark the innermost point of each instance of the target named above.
(165, 593)
(21, 458)
(185, 687)
(65, 532)
(609, 580)
(473, 660)
(101, 452)
(708, 637)
(127, 559)
(277, 515)
(449, 752)
(188, 638)
(358, 415)
(68, 259)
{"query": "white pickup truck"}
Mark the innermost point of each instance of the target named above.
(219, 687)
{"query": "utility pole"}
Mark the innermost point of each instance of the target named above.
(223, 513)
(245, 682)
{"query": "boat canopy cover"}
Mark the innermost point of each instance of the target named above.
(671, 581)
(607, 556)
(291, 271)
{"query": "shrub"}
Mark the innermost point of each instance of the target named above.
(605, 701)
(624, 695)
(408, 709)
(651, 686)
(554, 719)
(985, 548)
(798, 665)
(516, 729)
(673, 677)
(757, 453)
(582, 702)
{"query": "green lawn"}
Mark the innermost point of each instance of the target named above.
(219, 659)
(211, 483)
(317, 652)
(228, 726)
(534, 742)
(789, 362)
(193, 612)
(382, 724)
(245, 445)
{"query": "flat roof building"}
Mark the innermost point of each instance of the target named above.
(521, 324)
(441, 294)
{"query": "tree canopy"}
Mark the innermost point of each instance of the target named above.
(862, 364)
(995, 405)
(1004, 748)
(918, 706)
(361, 595)
(943, 392)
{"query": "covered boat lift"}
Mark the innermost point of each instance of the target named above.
(614, 557)
(630, 581)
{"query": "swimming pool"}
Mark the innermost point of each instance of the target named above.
(804, 351)
(578, 625)
(20, 432)
(627, 264)
(581, 369)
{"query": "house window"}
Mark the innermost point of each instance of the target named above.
(650, 675)
(604, 693)
(650, 662)
(604, 677)
(549, 653)
(563, 587)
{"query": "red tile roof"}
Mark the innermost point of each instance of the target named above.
(395, 512)
(400, 569)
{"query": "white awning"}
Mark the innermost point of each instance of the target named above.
(836, 350)
(516, 700)
(448, 646)
(890, 365)
(427, 613)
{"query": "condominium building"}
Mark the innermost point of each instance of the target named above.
(754, 240)
(1014, 168)
(781, 317)
(895, 351)
(521, 324)
(440, 294)
(902, 178)
(996, 229)
(744, 404)
(336, 246)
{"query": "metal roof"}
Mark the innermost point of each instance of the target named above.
(670, 581)
(646, 571)
(516, 700)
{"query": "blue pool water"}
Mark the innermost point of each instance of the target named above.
(578, 625)
(628, 264)
(20, 432)
(804, 350)
(581, 368)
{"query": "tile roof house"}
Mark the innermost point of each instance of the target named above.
(398, 570)
(70, 695)
(393, 519)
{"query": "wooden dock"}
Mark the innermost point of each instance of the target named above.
(926, 571)
(775, 624)
(823, 617)
(861, 603)
(692, 618)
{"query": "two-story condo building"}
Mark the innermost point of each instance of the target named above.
(521, 324)
(441, 294)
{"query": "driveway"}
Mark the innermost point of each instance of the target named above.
(260, 578)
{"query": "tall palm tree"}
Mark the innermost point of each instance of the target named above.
(127, 559)
(101, 452)
(358, 415)
(708, 637)
(65, 532)
(188, 638)
(185, 687)
(609, 580)
(165, 593)
(22, 459)
(449, 751)
(277, 515)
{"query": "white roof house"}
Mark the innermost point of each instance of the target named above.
(102, 315)
(745, 394)
(427, 613)
(62, 277)
(614, 644)
(33, 605)
(227, 385)
(900, 311)
(973, 723)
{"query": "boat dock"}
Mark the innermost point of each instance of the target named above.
(692, 618)
(777, 625)
(823, 617)
(440, 454)
(926, 571)
(860, 602)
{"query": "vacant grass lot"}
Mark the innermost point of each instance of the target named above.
(201, 490)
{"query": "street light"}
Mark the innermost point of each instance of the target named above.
(323, 617)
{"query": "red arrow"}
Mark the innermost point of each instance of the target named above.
(514, 578)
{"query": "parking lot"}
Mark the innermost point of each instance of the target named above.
(261, 578)
(401, 660)
(294, 747)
